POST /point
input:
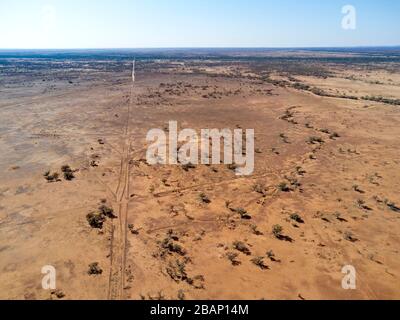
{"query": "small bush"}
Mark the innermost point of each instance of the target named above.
(94, 269)
(107, 212)
(296, 217)
(315, 140)
(204, 198)
(132, 229)
(283, 186)
(358, 189)
(255, 230)
(96, 220)
(232, 258)
(284, 138)
(327, 131)
(188, 166)
(240, 246)
(69, 176)
(66, 168)
(309, 126)
(68, 173)
(334, 135)
(277, 231)
(170, 245)
(177, 271)
(259, 189)
(362, 205)
(271, 255)
(93, 164)
(51, 177)
(173, 247)
(300, 171)
(59, 294)
(243, 213)
(392, 206)
(181, 295)
(350, 237)
(259, 262)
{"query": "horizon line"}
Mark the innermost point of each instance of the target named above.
(205, 47)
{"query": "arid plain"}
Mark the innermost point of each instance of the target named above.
(324, 193)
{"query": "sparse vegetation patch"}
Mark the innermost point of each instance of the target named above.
(259, 262)
(242, 247)
(94, 269)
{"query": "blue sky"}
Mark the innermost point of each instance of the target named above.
(195, 23)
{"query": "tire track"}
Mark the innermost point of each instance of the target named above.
(119, 234)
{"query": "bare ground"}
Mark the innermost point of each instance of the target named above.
(164, 241)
